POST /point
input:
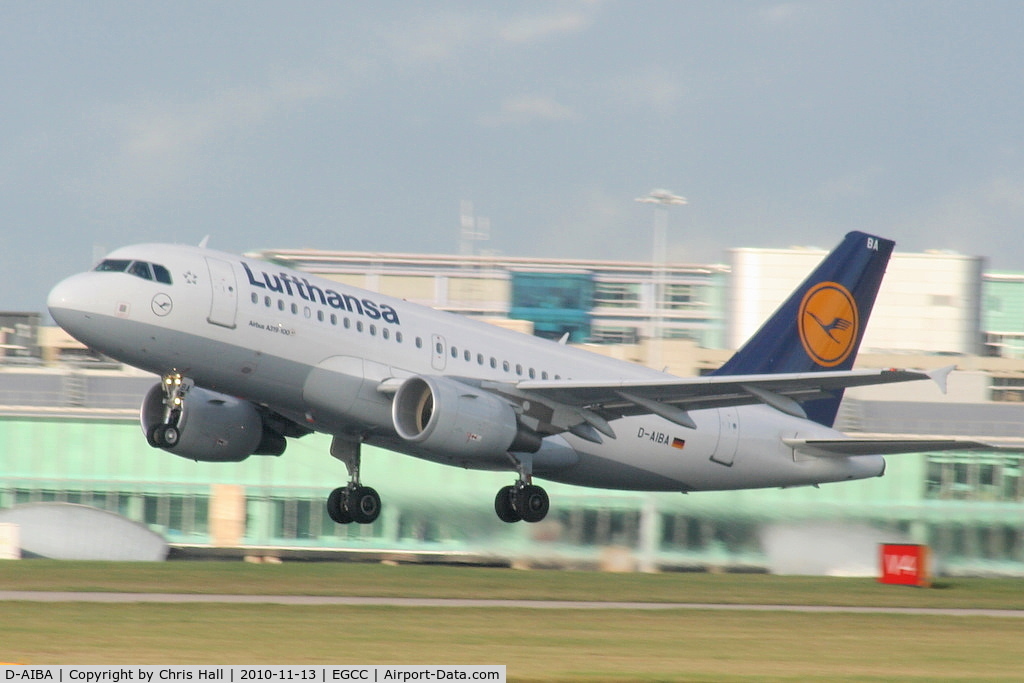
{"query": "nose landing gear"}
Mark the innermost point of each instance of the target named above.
(167, 433)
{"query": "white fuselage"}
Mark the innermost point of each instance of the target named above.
(319, 352)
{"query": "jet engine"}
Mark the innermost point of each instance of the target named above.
(208, 426)
(449, 417)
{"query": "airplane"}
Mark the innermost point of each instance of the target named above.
(251, 354)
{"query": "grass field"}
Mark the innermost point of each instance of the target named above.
(533, 644)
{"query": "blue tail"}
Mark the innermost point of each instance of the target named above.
(820, 326)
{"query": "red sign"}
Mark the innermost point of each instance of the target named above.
(904, 564)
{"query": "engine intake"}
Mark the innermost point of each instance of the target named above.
(212, 427)
(456, 419)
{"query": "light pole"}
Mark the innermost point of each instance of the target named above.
(662, 199)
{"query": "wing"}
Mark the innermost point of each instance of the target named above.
(586, 407)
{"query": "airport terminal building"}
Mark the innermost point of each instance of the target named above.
(69, 429)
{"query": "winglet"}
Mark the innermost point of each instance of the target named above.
(202, 242)
(941, 376)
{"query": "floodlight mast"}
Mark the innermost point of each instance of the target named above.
(662, 200)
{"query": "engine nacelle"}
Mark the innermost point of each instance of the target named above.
(456, 419)
(212, 427)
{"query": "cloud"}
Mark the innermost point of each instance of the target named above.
(148, 149)
(526, 109)
(978, 218)
(654, 89)
(533, 28)
(857, 184)
(433, 40)
(439, 38)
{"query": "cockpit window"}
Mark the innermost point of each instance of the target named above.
(140, 269)
(113, 265)
(162, 274)
(147, 271)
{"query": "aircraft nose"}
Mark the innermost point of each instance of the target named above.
(67, 301)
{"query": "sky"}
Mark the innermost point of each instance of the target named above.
(365, 125)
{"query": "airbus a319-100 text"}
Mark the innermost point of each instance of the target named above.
(251, 354)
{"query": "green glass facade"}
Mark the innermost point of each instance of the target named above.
(556, 303)
(1003, 313)
(970, 509)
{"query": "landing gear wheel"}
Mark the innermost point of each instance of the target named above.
(163, 436)
(504, 505)
(363, 505)
(532, 503)
(151, 435)
(337, 508)
(169, 436)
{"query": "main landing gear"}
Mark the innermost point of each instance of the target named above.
(166, 434)
(353, 502)
(522, 501)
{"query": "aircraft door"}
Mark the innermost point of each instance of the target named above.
(223, 293)
(728, 436)
(437, 351)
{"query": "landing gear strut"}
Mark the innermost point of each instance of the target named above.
(166, 434)
(522, 501)
(353, 502)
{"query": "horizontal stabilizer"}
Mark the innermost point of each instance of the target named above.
(843, 448)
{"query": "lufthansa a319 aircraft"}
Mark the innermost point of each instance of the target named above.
(251, 354)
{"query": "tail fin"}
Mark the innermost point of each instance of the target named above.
(820, 326)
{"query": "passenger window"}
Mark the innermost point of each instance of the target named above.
(280, 304)
(494, 362)
(255, 298)
(419, 342)
(466, 355)
(140, 269)
(533, 373)
(266, 301)
(479, 359)
(163, 275)
(544, 375)
(334, 319)
(384, 332)
(373, 330)
(519, 369)
(505, 366)
(455, 352)
(359, 326)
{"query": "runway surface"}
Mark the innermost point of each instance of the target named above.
(70, 596)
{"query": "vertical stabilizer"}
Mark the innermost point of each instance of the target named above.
(820, 326)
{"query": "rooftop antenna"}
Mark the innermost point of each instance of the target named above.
(472, 228)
